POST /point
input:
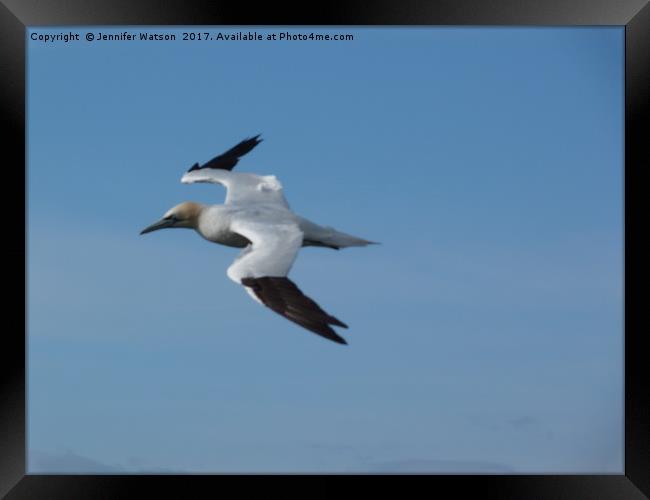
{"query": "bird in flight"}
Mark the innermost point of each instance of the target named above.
(257, 218)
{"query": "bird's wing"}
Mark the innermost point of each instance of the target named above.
(228, 160)
(243, 188)
(262, 269)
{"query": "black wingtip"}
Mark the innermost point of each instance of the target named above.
(255, 140)
(329, 334)
(252, 141)
(337, 322)
(281, 295)
(228, 160)
(335, 338)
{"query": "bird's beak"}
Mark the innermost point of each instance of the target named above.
(161, 224)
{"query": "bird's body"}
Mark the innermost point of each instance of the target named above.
(257, 218)
(214, 224)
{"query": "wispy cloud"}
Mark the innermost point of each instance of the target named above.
(42, 462)
(52, 463)
(523, 422)
(433, 466)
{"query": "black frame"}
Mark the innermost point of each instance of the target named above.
(634, 483)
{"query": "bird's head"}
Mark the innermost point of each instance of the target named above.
(184, 215)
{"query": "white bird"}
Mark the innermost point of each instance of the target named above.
(257, 217)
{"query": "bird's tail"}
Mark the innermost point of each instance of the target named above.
(332, 238)
(343, 240)
(325, 236)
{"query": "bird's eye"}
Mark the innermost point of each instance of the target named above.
(169, 217)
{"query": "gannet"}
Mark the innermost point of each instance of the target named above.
(257, 218)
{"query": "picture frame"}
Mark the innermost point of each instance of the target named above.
(17, 15)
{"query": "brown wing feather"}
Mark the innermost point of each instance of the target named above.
(283, 296)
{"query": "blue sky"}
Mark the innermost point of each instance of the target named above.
(485, 332)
